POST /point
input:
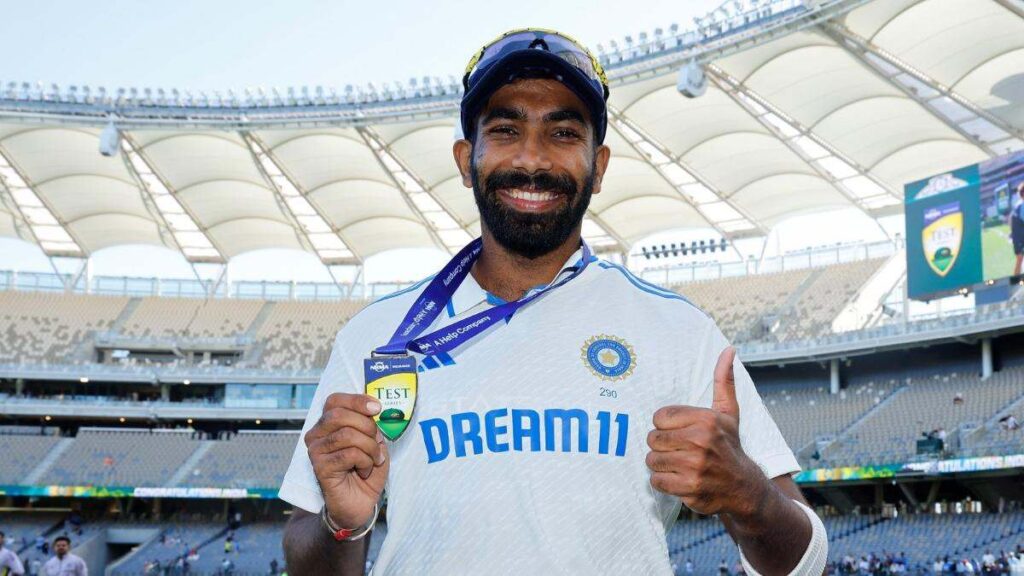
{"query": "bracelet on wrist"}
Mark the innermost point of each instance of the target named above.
(349, 534)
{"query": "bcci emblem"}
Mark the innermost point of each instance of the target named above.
(941, 236)
(608, 357)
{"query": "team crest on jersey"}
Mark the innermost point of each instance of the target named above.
(609, 357)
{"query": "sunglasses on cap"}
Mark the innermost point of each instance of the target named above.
(554, 42)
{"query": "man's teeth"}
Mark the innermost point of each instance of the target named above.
(532, 196)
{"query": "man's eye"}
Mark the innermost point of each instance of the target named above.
(502, 129)
(566, 133)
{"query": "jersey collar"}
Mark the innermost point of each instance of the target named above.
(470, 295)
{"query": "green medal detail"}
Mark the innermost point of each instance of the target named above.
(392, 381)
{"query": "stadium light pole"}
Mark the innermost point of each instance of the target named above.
(861, 48)
(789, 132)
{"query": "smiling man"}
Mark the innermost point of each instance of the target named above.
(567, 410)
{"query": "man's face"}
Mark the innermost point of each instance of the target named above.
(60, 547)
(533, 166)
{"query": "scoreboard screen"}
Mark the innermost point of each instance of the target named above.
(959, 230)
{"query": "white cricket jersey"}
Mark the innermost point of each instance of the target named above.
(526, 451)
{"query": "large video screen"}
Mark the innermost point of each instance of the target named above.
(965, 226)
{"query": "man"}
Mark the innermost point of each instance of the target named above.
(565, 438)
(64, 563)
(10, 564)
(1016, 221)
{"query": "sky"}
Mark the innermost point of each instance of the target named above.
(229, 44)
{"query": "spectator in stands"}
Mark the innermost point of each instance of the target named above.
(938, 566)
(229, 544)
(64, 563)
(10, 564)
(1016, 562)
(227, 567)
(723, 568)
(273, 567)
(688, 567)
(958, 399)
(1009, 423)
(1016, 221)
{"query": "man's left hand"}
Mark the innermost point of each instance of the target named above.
(696, 452)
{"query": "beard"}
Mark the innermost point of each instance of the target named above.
(531, 234)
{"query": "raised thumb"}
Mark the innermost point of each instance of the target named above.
(724, 399)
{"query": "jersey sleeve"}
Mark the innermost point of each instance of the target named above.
(759, 435)
(299, 487)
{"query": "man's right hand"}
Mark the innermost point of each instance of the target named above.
(349, 458)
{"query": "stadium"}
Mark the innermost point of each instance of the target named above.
(152, 419)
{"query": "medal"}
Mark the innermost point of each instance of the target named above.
(392, 381)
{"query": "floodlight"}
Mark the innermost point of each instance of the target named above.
(692, 81)
(110, 140)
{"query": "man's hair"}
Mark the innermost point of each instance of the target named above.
(64, 538)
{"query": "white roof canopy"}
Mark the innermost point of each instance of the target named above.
(830, 114)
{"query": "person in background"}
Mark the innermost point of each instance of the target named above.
(10, 564)
(64, 563)
(1016, 221)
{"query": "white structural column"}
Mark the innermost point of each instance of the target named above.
(309, 222)
(727, 218)
(190, 237)
(446, 230)
(855, 183)
(48, 231)
(927, 91)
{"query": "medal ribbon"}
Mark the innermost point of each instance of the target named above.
(436, 295)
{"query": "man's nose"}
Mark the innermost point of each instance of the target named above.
(533, 155)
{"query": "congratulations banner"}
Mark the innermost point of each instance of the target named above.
(951, 466)
(136, 492)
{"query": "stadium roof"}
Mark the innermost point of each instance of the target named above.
(809, 106)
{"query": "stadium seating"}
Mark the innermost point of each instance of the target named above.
(298, 335)
(22, 528)
(175, 539)
(50, 328)
(827, 292)
(21, 453)
(927, 403)
(191, 318)
(803, 415)
(106, 457)
(739, 304)
(249, 460)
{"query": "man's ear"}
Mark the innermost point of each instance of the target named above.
(463, 151)
(601, 157)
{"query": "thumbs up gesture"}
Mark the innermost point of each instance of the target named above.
(696, 453)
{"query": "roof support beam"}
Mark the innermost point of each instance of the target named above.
(854, 182)
(680, 176)
(605, 238)
(444, 228)
(896, 72)
(48, 231)
(1015, 6)
(310, 223)
(189, 235)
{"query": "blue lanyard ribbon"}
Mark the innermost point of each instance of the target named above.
(436, 295)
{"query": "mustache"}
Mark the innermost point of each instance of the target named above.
(541, 182)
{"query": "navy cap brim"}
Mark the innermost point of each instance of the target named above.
(486, 81)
